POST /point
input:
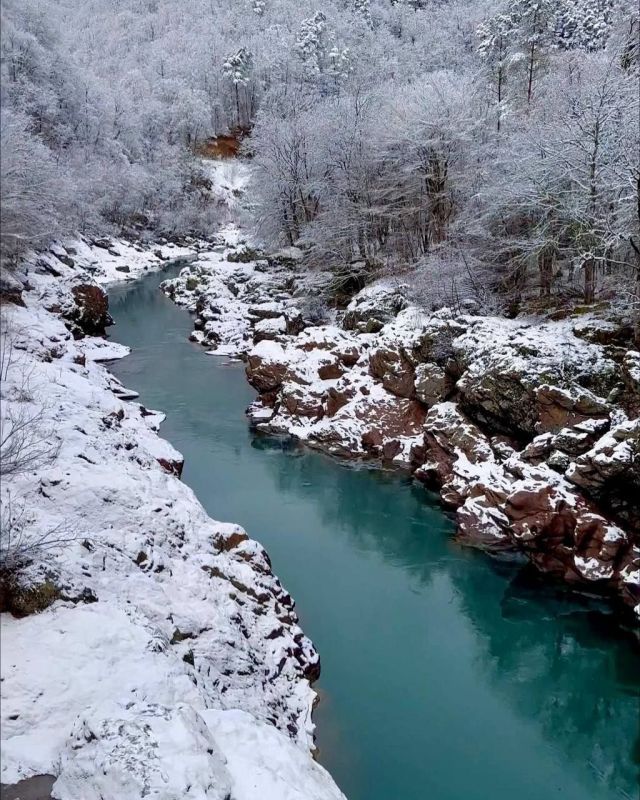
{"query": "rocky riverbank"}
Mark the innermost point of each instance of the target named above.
(528, 427)
(147, 650)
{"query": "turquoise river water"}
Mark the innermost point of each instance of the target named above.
(446, 675)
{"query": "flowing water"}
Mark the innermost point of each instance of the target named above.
(445, 675)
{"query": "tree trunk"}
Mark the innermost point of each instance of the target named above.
(589, 267)
(545, 265)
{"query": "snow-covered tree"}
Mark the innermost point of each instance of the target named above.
(495, 47)
(312, 43)
(237, 68)
(584, 24)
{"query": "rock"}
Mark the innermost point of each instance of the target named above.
(295, 323)
(558, 408)
(10, 288)
(483, 525)
(523, 380)
(394, 370)
(269, 329)
(435, 344)
(372, 326)
(372, 440)
(390, 449)
(288, 256)
(66, 260)
(124, 268)
(383, 420)
(377, 304)
(302, 404)
(172, 466)
(349, 356)
(564, 536)
(448, 436)
(330, 372)
(266, 366)
(243, 255)
(103, 243)
(558, 461)
(630, 396)
(604, 331)
(432, 384)
(610, 472)
(91, 310)
(337, 398)
(268, 310)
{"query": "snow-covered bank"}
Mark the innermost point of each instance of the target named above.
(166, 658)
(528, 428)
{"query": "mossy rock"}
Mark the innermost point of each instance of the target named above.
(22, 601)
(244, 256)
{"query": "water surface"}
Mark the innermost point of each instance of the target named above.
(445, 675)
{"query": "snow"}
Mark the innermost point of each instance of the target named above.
(164, 615)
(264, 763)
(229, 178)
(593, 569)
(120, 262)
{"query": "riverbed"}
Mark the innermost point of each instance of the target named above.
(446, 675)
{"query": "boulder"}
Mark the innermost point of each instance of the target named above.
(330, 372)
(524, 379)
(90, 312)
(337, 398)
(558, 408)
(10, 288)
(630, 395)
(432, 384)
(302, 404)
(269, 329)
(436, 343)
(604, 331)
(173, 466)
(266, 366)
(449, 436)
(483, 525)
(394, 370)
(375, 304)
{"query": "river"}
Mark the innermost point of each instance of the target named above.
(446, 675)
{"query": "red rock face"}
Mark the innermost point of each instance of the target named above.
(337, 398)
(263, 375)
(394, 370)
(394, 418)
(299, 404)
(559, 409)
(518, 429)
(91, 310)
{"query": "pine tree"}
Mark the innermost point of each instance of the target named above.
(583, 24)
(311, 43)
(495, 48)
(363, 10)
(237, 68)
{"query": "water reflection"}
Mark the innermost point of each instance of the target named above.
(554, 659)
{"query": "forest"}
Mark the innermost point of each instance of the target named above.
(485, 151)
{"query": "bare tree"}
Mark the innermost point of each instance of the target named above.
(20, 542)
(27, 437)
